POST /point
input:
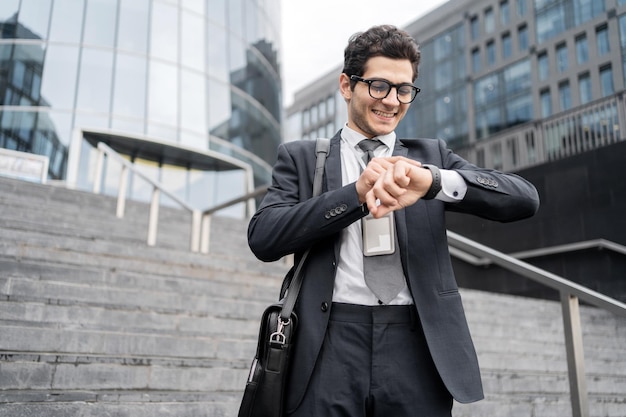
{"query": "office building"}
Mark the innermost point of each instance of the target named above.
(188, 90)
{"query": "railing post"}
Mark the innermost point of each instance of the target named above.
(154, 216)
(196, 219)
(97, 182)
(206, 233)
(121, 193)
(575, 356)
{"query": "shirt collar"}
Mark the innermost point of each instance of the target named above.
(352, 137)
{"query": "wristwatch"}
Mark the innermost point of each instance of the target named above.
(435, 187)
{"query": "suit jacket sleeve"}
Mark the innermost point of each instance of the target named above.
(288, 219)
(491, 194)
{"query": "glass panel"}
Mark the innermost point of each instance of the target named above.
(162, 93)
(220, 108)
(602, 38)
(133, 25)
(193, 105)
(519, 110)
(35, 16)
(606, 81)
(565, 99)
(476, 60)
(517, 77)
(550, 23)
(522, 38)
(216, 11)
(491, 53)
(195, 5)
(235, 18)
(67, 21)
(474, 28)
(100, 22)
(8, 18)
(24, 64)
(94, 83)
(60, 72)
(164, 32)
(490, 23)
(544, 66)
(546, 103)
(561, 58)
(217, 53)
(192, 45)
(507, 48)
(584, 87)
(8, 10)
(505, 14)
(582, 50)
(129, 91)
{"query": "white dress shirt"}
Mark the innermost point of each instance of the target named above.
(350, 284)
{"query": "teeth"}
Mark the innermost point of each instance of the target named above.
(380, 113)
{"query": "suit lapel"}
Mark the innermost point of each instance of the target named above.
(400, 216)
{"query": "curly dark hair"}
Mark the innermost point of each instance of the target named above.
(383, 40)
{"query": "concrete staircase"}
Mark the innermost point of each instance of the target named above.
(95, 323)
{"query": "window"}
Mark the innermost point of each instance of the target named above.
(561, 57)
(505, 14)
(474, 29)
(476, 60)
(544, 66)
(565, 97)
(582, 49)
(521, 8)
(584, 88)
(546, 103)
(602, 39)
(490, 23)
(506, 45)
(585, 10)
(550, 22)
(491, 53)
(606, 81)
(522, 38)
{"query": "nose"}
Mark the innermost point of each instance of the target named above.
(392, 97)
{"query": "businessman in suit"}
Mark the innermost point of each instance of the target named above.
(382, 331)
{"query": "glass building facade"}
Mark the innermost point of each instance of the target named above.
(509, 83)
(199, 78)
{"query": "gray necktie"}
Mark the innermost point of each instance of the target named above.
(383, 273)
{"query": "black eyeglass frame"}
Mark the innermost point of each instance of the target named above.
(369, 82)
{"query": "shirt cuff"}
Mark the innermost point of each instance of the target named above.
(453, 187)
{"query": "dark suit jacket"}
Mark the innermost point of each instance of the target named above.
(290, 221)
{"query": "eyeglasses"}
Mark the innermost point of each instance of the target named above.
(379, 89)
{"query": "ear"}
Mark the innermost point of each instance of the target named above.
(344, 86)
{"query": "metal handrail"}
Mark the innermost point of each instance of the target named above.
(207, 214)
(570, 293)
(600, 244)
(200, 219)
(157, 189)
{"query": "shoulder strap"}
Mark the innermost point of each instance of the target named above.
(321, 151)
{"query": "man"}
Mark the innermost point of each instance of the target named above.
(361, 350)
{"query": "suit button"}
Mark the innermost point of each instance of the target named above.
(324, 306)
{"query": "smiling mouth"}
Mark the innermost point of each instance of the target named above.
(384, 114)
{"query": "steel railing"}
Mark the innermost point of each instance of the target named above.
(570, 294)
(200, 219)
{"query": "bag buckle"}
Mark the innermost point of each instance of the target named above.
(278, 337)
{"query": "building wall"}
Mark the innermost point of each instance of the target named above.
(203, 74)
(490, 67)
